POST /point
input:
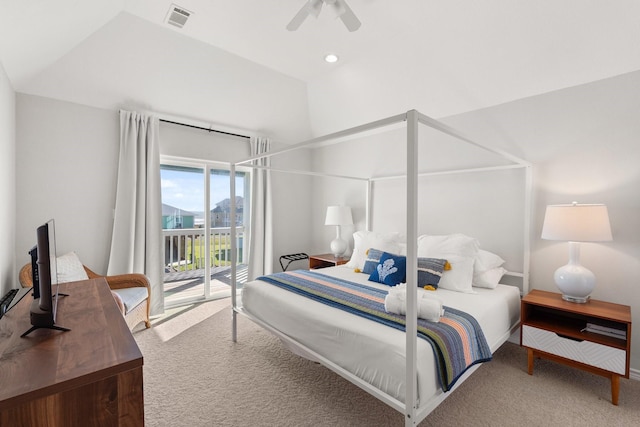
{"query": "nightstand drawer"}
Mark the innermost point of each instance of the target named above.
(587, 352)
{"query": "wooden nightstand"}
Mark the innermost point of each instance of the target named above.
(325, 260)
(557, 330)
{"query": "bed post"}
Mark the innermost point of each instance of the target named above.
(412, 269)
(527, 228)
(232, 223)
(367, 220)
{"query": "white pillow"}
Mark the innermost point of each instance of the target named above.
(70, 268)
(486, 261)
(460, 251)
(364, 240)
(489, 279)
(403, 249)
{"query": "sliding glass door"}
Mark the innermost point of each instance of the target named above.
(197, 223)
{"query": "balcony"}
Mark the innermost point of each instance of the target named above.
(186, 266)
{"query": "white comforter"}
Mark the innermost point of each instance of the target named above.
(372, 351)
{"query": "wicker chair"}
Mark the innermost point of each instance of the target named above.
(122, 282)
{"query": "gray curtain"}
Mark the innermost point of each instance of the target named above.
(136, 243)
(261, 236)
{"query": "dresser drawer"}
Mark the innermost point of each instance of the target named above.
(587, 352)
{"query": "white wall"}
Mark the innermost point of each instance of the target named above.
(122, 65)
(291, 197)
(292, 207)
(66, 162)
(461, 56)
(446, 204)
(8, 272)
(190, 143)
(134, 64)
(66, 159)
(583, 143)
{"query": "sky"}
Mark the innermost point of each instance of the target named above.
(185, 190)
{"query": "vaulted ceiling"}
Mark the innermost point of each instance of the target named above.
(513, 48)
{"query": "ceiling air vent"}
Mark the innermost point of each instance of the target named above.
(177, 16)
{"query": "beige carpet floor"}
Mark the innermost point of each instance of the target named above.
(194, 375)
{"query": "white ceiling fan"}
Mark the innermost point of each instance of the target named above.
(313, 8)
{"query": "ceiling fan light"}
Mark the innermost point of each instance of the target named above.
(314, 7)
(337, 7)
(331, 58)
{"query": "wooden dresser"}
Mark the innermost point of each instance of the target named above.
(88, 376)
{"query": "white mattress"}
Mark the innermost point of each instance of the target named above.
(372, 351)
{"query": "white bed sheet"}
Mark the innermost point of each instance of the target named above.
(372, 351)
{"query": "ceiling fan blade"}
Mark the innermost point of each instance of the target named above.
(348, 17)
(299, 18)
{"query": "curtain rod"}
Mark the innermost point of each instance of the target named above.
(202, 128)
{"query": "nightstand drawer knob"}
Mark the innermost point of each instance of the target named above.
(569, 338)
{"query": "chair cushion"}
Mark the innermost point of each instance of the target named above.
(119, 302)
(131, 297)
(70, 268)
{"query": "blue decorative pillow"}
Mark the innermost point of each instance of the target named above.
(372, 260)
(430, 271)
(391, 270)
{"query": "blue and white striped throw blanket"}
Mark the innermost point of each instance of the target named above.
(457, 340)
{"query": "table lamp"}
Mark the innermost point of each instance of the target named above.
(338, 215)
(576, 223)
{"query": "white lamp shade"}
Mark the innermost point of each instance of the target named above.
(338, 215)
(577, 223)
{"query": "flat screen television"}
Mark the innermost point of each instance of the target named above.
(45, 300)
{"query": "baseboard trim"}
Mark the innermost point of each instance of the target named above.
(634, 374)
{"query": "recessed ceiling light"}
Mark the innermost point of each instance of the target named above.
(331, 58)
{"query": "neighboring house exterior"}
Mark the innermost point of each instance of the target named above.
(173, 217)
(176, 243)
(221, 213)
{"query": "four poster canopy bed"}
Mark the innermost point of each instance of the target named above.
(411, 315)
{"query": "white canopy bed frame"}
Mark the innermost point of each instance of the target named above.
(411, 121)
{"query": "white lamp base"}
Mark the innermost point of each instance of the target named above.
(338, 247)
(575, 281)
(576, 299)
